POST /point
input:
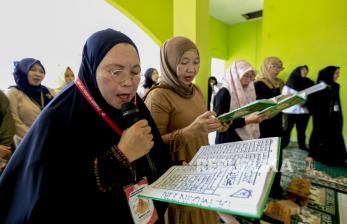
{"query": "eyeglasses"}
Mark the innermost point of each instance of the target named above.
(249, 76)
(121, 76)
(278, 67)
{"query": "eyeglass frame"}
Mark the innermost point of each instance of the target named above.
(112, 72)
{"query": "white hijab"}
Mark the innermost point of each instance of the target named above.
(240, 96)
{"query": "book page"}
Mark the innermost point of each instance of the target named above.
(313, 89)
(230, 177)
(283, 104)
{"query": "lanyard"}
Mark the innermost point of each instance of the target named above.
(86, 94)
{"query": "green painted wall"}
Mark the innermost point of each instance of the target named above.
(191, 20)
(155, 17)
(299, 32)
(245, 42)
(218, 42)
(305, 32)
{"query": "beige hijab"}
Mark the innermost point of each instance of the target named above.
(271, 82)
(240, 96)
(170, 55)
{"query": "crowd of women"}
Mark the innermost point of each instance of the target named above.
(49, 176)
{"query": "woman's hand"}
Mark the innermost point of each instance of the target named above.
(229, 219)
(136, 141)
(255, 118)
(224, 127)
(203, 124)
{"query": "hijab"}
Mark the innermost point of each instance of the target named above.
(171, 53)
(47, 170)
(296, 81)
(271, 82)
(20, 73)
(327, 74)
(148, 78)
(240, 96)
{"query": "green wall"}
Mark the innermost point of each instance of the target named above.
(218, 42)
(245, 42)
(155, 17)
(305, 32)
(297, 31)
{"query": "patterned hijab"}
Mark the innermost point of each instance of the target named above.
(265, 76)
(171, 53)
(240, 96)
(20, 74)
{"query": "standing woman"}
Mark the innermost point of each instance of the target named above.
(28, 97)
(212, 89)
(296, 115)
(268, 86)
(151, 78)
(86, 176)
(69, 76)
(326, 142)
(238, 91)
(179, 111)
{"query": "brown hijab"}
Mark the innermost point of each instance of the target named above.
(271, 82)
(171, 53)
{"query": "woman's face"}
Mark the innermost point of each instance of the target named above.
(35, 75)
(247, 78)
(275, 69)
(303, 72)
(155, 76)
(336, 74)
(118, 75)
(69, 76)
(188, 67)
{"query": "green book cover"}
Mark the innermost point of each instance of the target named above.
(252, 107)
(233, 178)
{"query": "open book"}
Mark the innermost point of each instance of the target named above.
(233, 178)
(284, 102)
(252, 107)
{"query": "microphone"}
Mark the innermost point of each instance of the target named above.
(131, 113)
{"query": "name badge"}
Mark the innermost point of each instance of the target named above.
(336, 108)
(142, 209)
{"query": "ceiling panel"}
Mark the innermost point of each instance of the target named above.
(230, 11)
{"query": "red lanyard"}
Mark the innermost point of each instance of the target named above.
(96, 107)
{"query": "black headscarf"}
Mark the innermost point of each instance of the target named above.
(296, 81)
(148, 78)
(20, 74)
(327, 74)
(210, 90)
(51, 176)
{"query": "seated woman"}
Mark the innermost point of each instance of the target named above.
(29, 96)
(238, 90)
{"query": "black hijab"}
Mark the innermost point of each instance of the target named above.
(51, 176)
(148, 78)
(296, 81)
(327, 74)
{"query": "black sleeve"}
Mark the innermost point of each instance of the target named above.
(222, 102)
(222, 105)
(261, 90)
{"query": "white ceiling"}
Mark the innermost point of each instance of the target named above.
(230, 11)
